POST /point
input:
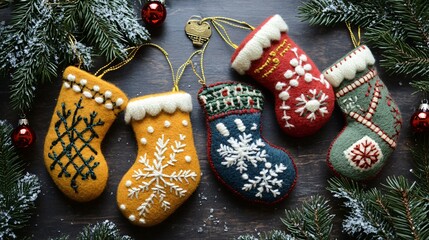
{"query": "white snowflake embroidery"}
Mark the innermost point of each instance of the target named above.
(351, 104)
(364, 154)
(312, 103)
(266, 181)
(242, 151)
(155, 180)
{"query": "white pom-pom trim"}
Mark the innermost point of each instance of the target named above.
(254, 48)
(168, 103)
(355, 61)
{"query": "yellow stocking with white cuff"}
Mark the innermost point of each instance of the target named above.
(167, 170)
(86, 108)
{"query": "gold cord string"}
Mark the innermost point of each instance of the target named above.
(221, 30)
(73, 42)
(356, 42)
(133, 51)
(181, 69)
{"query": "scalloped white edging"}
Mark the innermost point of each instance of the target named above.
(254, 48)
(354, 62)
(137, 109)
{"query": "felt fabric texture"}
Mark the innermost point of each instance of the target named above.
(304, 100)
(166, 171)
(85, 110)
(239, 156)
(373, 120)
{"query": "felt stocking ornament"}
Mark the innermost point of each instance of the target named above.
(304, 100)
(85, 110)
(373, 118)
(167, 170)
(249, 166)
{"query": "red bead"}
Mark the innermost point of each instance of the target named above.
(154, 13)
(23, 136)
(420, 119)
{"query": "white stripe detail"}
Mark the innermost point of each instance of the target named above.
(222, 129)
(240, 125)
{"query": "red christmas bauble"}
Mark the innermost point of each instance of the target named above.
(23, 135)
(154, 13)
(420, 119)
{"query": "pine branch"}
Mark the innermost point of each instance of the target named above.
(421, 159)
(272, 235)
(106, 230)
(18, 192)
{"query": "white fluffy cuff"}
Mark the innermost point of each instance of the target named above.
(254, 48)
(346, 68)
(169, 103)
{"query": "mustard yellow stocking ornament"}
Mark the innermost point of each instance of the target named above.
(166, 171)
(85, 110)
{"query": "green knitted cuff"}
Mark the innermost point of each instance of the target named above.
(226, 97)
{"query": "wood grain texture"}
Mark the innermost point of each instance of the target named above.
(212, 212)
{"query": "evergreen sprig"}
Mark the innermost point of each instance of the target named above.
(106, 230)
(45, 36)
(399, 28)
(18, 191)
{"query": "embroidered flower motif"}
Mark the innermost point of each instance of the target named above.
(364, 153)
(311, 104)
(153, 177)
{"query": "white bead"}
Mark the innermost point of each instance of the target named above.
(300, 70)
(267, 165)
(279, 86)
(108, 105)
(119, 102)
(294, 62)
(288, 74)
(99, 100)
(308, 77)
(71, 77)
(245, 176)
(143, 141)
(303, 58)
(188, 159)
(150, 129)
(185, 123)
(132, 218)
(76, 88)
(293, 83)
(87, 94)
(167, 124)
(83, 82)
(284, 95)
(108, 94)
(128, 183)
(123, 207)
(141, 220)
(307, 67)
(96, 88)
(66, 85)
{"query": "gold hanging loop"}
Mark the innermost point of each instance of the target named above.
(356, 42)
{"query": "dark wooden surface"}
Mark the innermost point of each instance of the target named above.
(211, 212)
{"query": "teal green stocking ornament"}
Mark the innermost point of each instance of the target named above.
(373, 118)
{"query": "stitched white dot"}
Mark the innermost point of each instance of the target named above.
(300, 70)
(108, 94)
(279, 86)
(123, 207)
(150, 129)
(185, 123)
(87, 94)
(284, 95)
(76, 88)
(143, 141)
(83, 82)
(303, 58)
(307, 67)
(96, 88)
(71, 77)
(108, 105)
(188, 159)
(119, 102)
(294, 62)
(167, 124)
(132, 218)
(141, 220)
(288, 74)
(268, 165)
(99, 100)
(294, 83)
(245, 176)
(66, 85)
(308, 77)
(128, 183)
